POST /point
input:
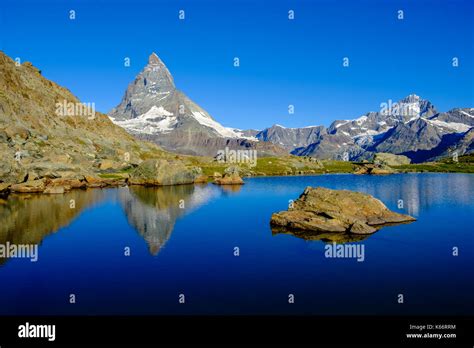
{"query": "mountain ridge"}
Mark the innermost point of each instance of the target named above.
(153, 109)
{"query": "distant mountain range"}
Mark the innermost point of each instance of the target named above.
(153, 109)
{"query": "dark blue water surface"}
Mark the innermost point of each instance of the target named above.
(182, 241)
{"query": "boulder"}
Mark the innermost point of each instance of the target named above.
(68, 183)
(4, 188)
(337, 211)
(160, 172)
(94, 182)
(54, 190)
(375, 169)
(390, 159)
(231, 177)
(107, 164)
(201, 179)
(34, 186)
(16, 130)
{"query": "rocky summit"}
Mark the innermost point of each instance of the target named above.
(321, 210)
(153, 109)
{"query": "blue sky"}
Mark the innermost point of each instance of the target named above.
(282, 62)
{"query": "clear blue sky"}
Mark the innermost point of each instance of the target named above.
(283, 62)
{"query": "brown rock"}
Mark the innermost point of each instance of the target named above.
(337, 211)
(229, 179)
(93, 181)
(202, 179)
(4, 187)
(163, 172)
(381, 171)
(34, 186)
(107, 164)
(54, 190)
(17, 130)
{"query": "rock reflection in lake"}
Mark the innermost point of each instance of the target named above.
(230, 189)
(324, 237)
(28, 219)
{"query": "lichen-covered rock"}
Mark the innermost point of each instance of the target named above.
(54, 190)
(163, 172)
(201, 179)
(375, 169)
(231, 177)
(34, 186)
(337, 211)
(390, 159)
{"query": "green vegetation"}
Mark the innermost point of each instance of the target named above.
(465, 164)
(294, 165)
(273, 166)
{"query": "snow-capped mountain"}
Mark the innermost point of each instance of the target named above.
(411, 126)
(153, 109)
(290, 138)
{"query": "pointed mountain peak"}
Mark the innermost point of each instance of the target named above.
(412, 98)
(153, 59)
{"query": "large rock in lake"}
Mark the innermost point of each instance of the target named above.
(163, 172)
(338, 211)
(231, 177)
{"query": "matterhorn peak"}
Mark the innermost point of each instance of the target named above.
(153, 59)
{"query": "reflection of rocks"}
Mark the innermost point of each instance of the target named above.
(28, 219)
(231, 188)
(153, 211)
(336, 211)
(324, 236)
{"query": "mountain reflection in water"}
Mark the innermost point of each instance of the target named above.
(153, 211)
(28, 219)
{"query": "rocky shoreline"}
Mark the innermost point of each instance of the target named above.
(153, 172)
(168, 172)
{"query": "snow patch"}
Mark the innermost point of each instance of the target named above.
(454, 126)
(154, 121)
(465, 113)
(226, 132)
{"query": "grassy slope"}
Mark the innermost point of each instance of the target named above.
(465, 164)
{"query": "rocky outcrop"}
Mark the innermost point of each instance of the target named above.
(163, 173)
(373, 168)
(231, 177)
(390, 159)
(324, 210)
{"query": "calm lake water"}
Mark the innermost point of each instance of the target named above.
(182, 239)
